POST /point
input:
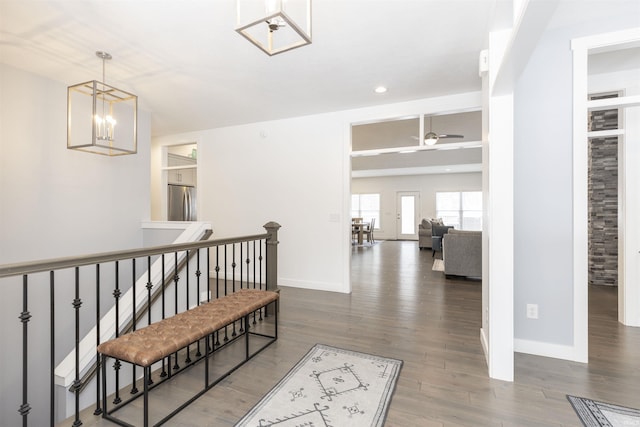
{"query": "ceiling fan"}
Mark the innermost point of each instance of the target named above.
(431, 137)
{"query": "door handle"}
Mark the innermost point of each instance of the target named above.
(185, 207)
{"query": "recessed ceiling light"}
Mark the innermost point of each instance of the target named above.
(380, 89)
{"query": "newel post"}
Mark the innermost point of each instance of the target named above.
(272, 255)
(272, 259)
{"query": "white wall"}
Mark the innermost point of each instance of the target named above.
(288, 171)
(55, 202)
(543, 252)
(426, 185)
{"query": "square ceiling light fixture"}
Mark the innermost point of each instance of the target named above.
(102, 119)
(275, 26)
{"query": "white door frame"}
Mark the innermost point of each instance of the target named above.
(581, 47)
(416, 215)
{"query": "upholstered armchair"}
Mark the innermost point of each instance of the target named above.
(437, 233)
(424, 232)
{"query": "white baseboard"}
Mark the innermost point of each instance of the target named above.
(292, 283)
(557, 351)
(485, 345)
(318, 286)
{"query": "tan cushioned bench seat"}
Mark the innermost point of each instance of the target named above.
(151, 343)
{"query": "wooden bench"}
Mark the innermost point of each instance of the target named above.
(152, 343)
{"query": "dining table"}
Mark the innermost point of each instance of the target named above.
(359, 227)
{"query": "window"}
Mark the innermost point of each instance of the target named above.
(367, 207)
(462, 209)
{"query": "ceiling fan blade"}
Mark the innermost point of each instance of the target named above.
(450, 136)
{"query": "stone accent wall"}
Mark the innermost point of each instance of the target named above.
(603, 201)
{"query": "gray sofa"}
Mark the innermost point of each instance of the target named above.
(424, 232)
(462, 253)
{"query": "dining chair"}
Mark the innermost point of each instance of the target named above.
(354, 234)
(369, 231)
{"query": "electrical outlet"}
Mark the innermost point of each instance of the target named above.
(532, 311)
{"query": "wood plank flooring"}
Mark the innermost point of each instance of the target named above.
(400, 308)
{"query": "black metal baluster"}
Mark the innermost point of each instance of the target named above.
(24, 317)
(186, 308)
(149, 288)
(198, 354)
(52, 347)
(98, 409)
(176, 278)
(233, 267)
(225, 270)
(134, 389)
(208, 263)
(209, 293)
(233, 279)
(241, 325)
(261, 267)
(217, 287)
(260, 272)
(248, 262)
(77, 303)
(188, 359)
(164, 370)
(266, 272)
(253, 257)
(116, 363)
(217, 272)
(254, 275)
(226, 336)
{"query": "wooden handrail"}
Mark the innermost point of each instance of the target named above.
(29, 267)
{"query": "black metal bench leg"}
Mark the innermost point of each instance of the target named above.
(104, 385)
(207, 351)
(246, 328)
(147, 375)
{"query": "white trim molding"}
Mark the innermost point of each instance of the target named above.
(537, 348)
(581, 47)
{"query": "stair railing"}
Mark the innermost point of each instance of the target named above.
(229, 264)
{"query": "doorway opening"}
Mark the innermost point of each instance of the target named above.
(392, 156)
(407, 214)
(596, 69)
(180, 179)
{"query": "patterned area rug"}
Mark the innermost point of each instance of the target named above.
(329, 387)
(598, 414)
(438, 265)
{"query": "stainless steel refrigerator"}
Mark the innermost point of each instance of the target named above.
(181, 202)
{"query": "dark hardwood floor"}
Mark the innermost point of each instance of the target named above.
(400, 308)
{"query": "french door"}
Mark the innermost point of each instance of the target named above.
(407, 215)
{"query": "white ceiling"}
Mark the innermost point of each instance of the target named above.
(192, 71)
